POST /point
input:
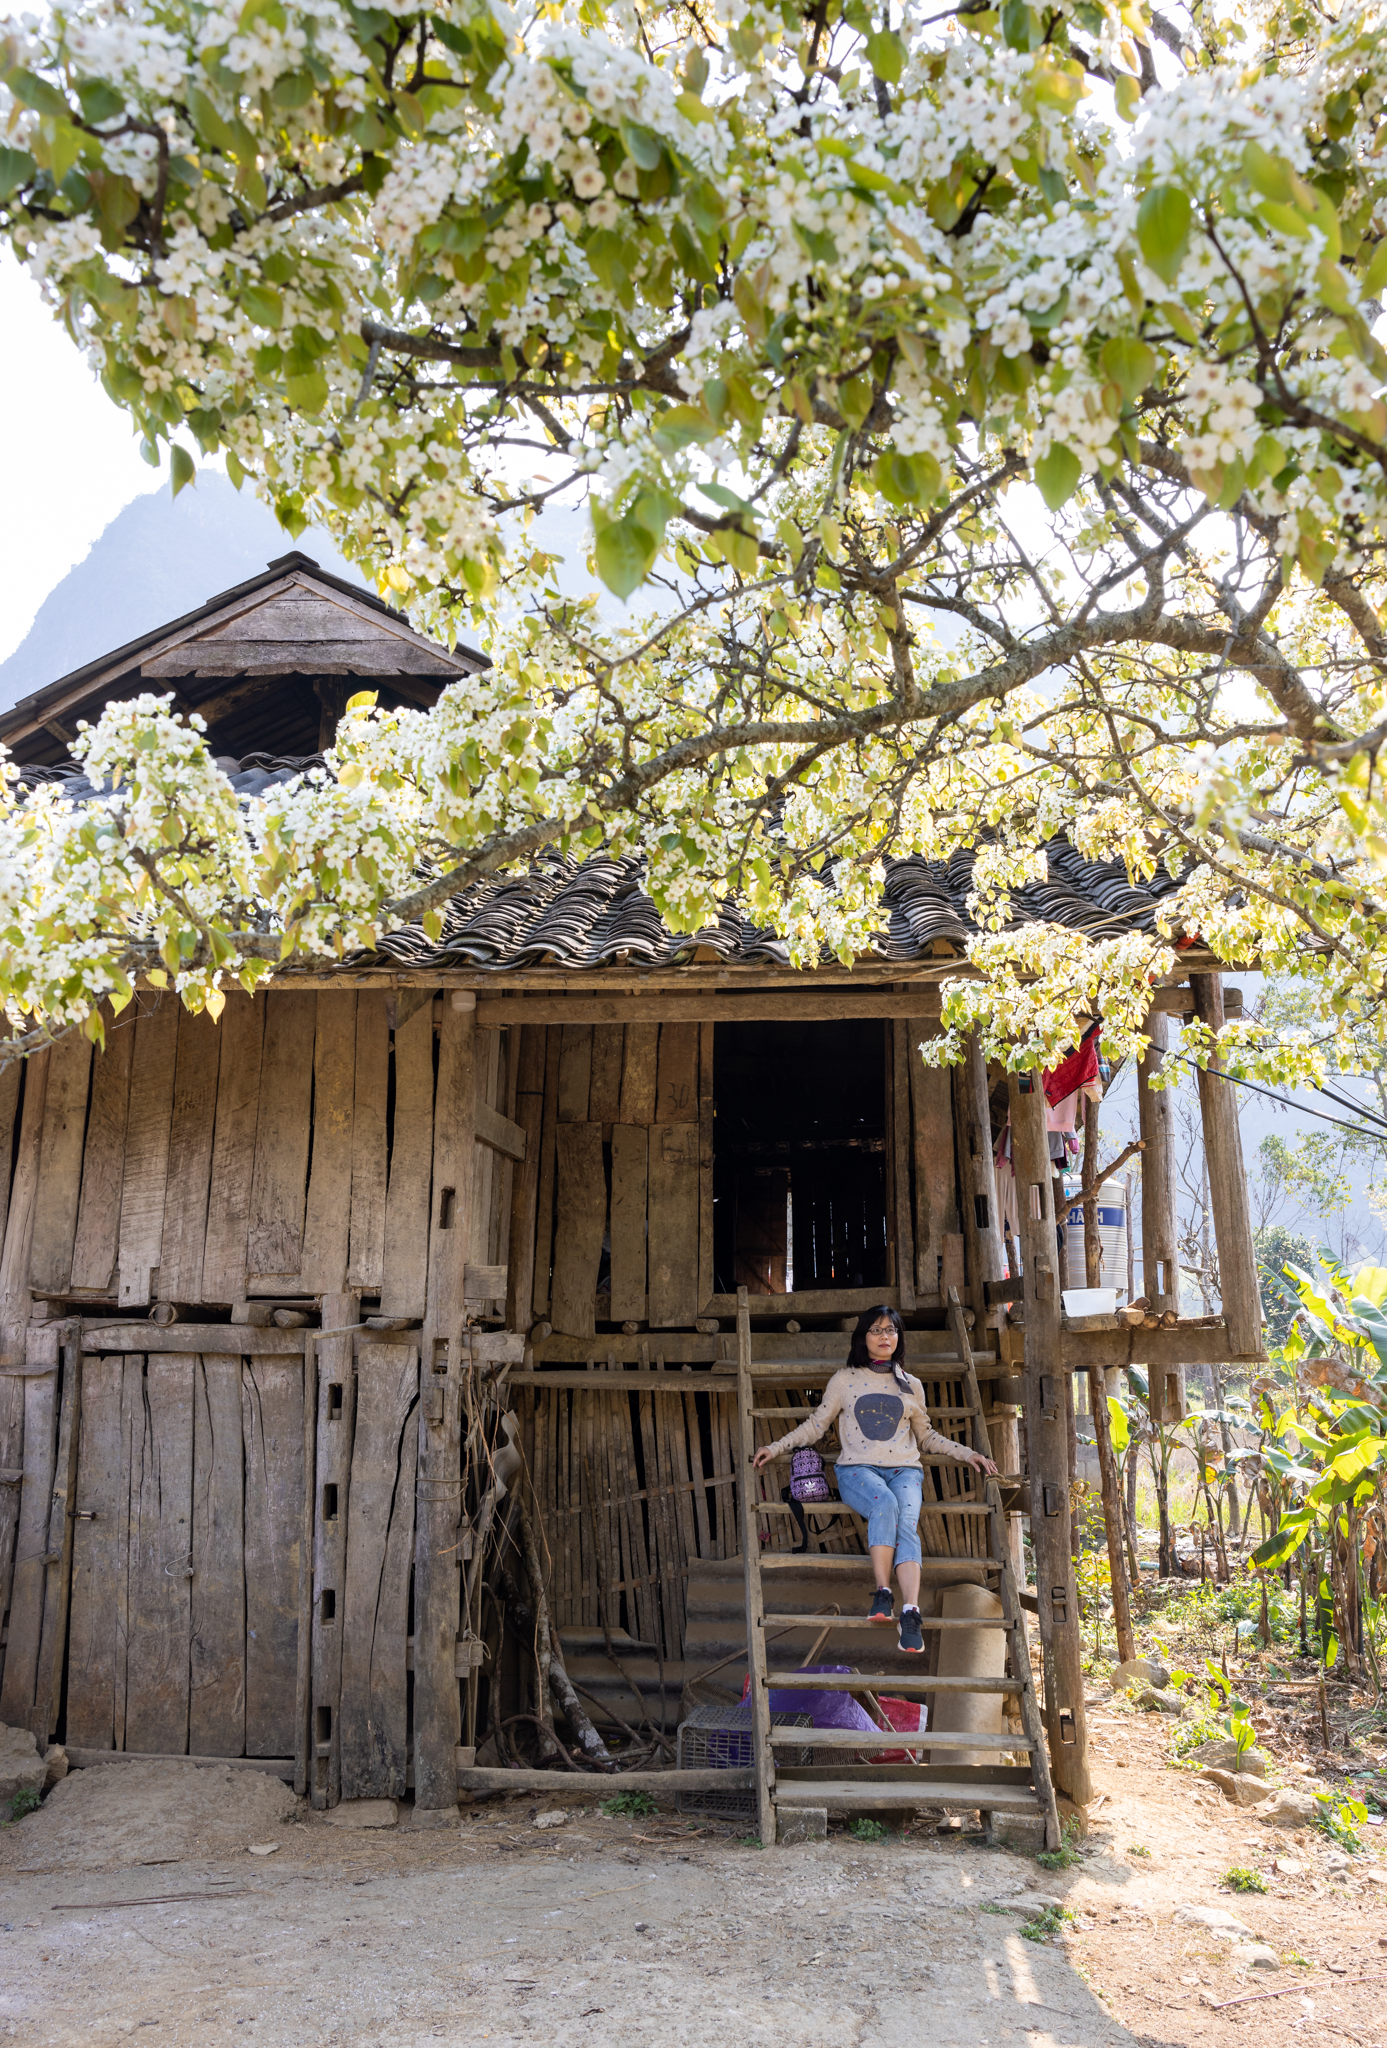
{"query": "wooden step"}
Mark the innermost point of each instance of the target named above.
(833, 1560)
(892, 1738)
(838, 1507)
(838, 1621)
(876, 1681)
(885, 1793)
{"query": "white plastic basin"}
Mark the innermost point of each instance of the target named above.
(1089, 1301)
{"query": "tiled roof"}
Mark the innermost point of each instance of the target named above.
(594, 913)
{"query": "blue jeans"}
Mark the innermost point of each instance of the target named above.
(889, 1497)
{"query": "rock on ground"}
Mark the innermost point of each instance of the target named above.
(1222, 1755)
(1289, 1809)
(1138, 1671)
(21, 1766)
(141, 1812)
(1244, 1788)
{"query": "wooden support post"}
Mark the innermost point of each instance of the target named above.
(331, 1467)
(1160, 1257)
(755, 1605)
(1223, 1151)
(1045, 1374)
(438, 1552)
(982, 1226)
(1112, 1514)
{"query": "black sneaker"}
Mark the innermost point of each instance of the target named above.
(883, 1608)
(912, 1637)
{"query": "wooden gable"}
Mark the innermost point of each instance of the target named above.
(303, 627)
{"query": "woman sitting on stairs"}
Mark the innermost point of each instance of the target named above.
(883, 1426)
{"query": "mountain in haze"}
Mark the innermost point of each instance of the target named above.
(159, 558)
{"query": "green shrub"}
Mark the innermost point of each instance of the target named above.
(1047, 1923)
(24, 1802)
(1239, 1880)
(863, 1830)
(1340, 1818)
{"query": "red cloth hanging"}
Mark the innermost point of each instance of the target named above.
(1078, 1069)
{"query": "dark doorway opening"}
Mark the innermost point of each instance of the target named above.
(799, 1173)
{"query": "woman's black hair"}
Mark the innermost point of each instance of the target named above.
(857, 1351)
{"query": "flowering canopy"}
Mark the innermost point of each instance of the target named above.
(985, 406)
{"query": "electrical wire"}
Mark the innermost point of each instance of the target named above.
(1286, 1103)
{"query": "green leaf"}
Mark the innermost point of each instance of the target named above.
(643, 146)
(1021, 29)
(16, 169)
(681, 424)
(181, 468)
(100, 102)
(263, 305)
(1285, 1542)
(625, 555)
(855, 400)
(307, 393)
(1057, 475)
(37, 93)
(886, 55)
(1267, 174)
(1127, 95)
(1163, 229)
(1129, 363)
(1118, 1425)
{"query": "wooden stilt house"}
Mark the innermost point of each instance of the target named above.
(270, 1287)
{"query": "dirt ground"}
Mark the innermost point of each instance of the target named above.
(131, 1909)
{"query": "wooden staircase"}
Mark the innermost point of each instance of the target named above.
(1000, 1788)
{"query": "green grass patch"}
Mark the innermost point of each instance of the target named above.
(27, 1801)
(1137, 1849)
(1068, 1853)
(629, 1806)
(867, 1830)
(1047, 1923)
(1239, 1880)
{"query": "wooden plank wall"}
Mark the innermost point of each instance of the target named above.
(618, 1201)
(283, 1151)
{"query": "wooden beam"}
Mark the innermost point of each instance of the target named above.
(1047, 1444)
(662, 1783)
(1159, 1242)
(499, 1132)
(832, 1301)
(797, 1006)
(1159, 1350)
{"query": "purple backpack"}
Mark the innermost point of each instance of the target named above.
(807, 1481)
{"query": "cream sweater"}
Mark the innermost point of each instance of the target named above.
(877, 1423)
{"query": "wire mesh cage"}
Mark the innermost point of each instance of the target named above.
(719, 1739)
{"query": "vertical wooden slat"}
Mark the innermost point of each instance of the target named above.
(190, 1159)
(272, 1392)
(15, 1296)
(544, 1215)
(98, 1562)
(699, 1476)
(706, 1151)
(630, 1171)
(11, 1076)
(274, 1241)
(676, 1096)
(217, 1681)
(582, 1222)
(327, 1219)
(608, 1047)
(900, 1161)
(48, 1685)
(161, 1560)
(672, 1211)
(103, 1160)
(404, 1279)
(132, 1427)
(145, 1177)
(485, 1161)
(977, 1180)
(575, 1073)
(932, 1137)
(375, 1614)
(638, 1074)
(528, 1061)
(60, 1165)
(336, 1421)
(17, 1692)
(438, 1547)
(241, 1029)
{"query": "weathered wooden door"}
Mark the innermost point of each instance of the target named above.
(185, 1563)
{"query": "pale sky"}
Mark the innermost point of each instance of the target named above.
(71, 458)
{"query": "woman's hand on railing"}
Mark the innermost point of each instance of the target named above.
(764, 1456)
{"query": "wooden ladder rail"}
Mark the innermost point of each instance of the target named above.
(1012, 1614)
(763, 1756)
